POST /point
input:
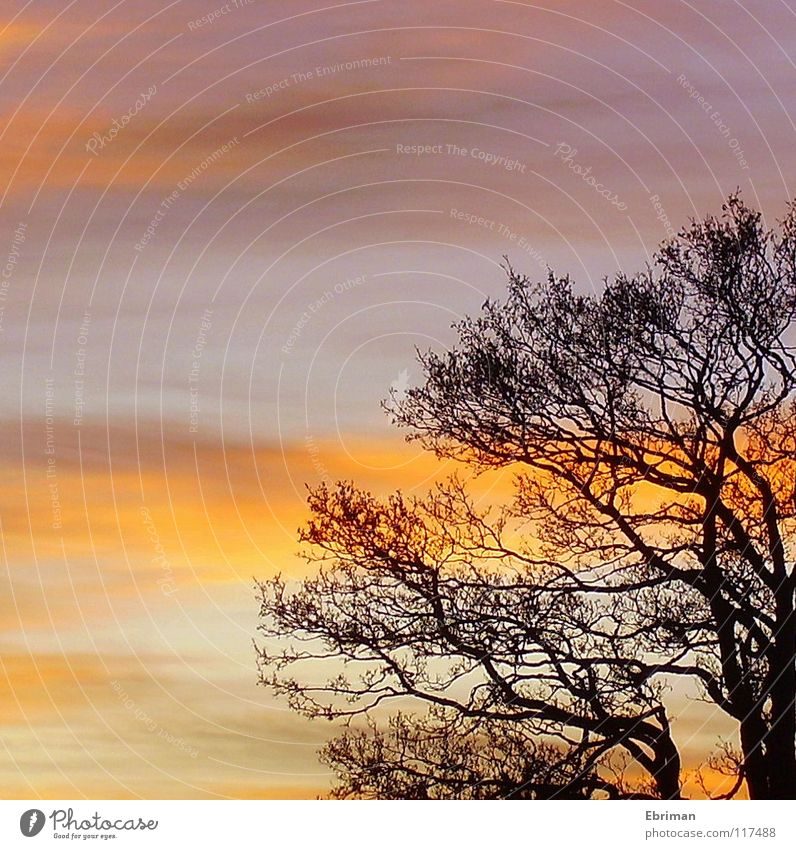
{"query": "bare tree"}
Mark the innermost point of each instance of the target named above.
(652, 432)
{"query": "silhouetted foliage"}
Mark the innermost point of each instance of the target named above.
(443, 756)
(652, 431)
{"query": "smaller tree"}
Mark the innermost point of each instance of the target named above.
(425, 598)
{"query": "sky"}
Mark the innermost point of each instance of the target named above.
(224, 231)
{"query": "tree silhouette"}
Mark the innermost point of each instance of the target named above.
(649, 540)
(440, 756)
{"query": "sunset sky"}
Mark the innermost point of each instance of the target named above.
(225, 230)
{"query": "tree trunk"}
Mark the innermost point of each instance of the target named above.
(754, 760)
(781, 739)
(667, 765)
